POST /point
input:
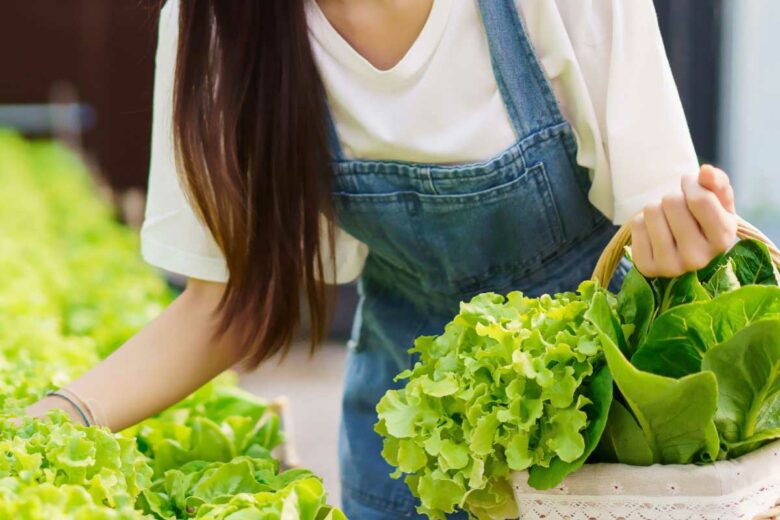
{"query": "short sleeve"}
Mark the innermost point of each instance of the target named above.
(608, 67)
(173, 237)
(645, 140)
(648, 141)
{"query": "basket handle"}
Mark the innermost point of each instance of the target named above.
(613, 253)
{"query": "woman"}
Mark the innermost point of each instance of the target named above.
(438, 148)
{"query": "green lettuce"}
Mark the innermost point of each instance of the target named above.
(108, 470)
(675, 415)
(680, 337)
(301, 499)
(512, 384)
(215, 424)
(702, 379)
(747, 367)
(72, 290)
(623, 439)
(668, 371)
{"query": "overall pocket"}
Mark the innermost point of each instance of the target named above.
(511, 227)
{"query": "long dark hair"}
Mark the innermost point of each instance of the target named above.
(249, 124)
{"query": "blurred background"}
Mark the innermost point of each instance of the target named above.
(82, 71)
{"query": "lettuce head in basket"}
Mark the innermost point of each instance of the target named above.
(512, 384)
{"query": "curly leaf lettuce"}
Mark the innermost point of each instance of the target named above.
(108, 470)
(217, 423)
(510, 385)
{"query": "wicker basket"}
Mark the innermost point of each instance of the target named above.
(743, 488)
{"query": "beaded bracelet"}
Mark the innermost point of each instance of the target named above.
(74, 404)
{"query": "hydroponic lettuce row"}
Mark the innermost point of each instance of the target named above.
(527, 384)
(72, 289)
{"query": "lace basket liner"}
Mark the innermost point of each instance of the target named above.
(731, 489)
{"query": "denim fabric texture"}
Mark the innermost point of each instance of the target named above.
(439, 235)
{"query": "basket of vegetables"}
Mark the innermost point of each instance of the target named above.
(661, 401)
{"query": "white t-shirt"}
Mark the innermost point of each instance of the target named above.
(440, 104)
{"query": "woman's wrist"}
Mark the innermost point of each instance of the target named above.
(40, 409)
(80, 410)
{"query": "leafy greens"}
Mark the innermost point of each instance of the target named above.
(512, 384)
(519, 383)
(73, 289)
(719, 346)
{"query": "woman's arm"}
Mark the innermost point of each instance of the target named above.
(160, 365)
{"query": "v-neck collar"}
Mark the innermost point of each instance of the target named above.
(413, 60)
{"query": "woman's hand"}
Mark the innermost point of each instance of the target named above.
(686, 230)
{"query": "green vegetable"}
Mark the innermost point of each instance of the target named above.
(724, 279)
(599, 392)
(623, 439)
(636, 308)
(216, 424)
(301, 500)
(513, 383)
(97, 470)
(675, 415)
(747, 368)
(707, 363)
(520, 384)
(680, 337)
(678, 291)
(72, 289)
(751, 262)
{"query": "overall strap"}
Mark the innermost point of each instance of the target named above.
(527, 93)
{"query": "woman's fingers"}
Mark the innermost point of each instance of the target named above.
(641, 249)
(718, 224)
(716, 180)
(693, 248)
(685, 231)
(665, 255)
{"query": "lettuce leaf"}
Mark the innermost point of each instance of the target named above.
(599, 392)
(675, 415)
(679, 338)
(747, 368)
(724, 332)
(623, 439)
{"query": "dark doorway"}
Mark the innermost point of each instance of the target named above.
(104, 52)
(692, 31)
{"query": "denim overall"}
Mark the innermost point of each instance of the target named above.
(439, 235)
